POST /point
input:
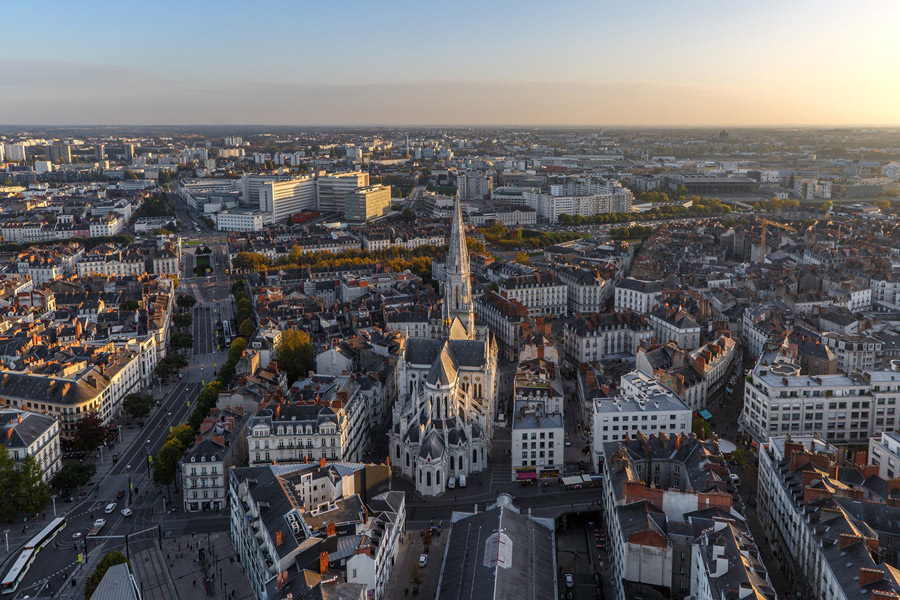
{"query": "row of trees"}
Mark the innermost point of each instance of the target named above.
(23, 488)
(506, 238)
(110, 560)
(641, 232)
(702, 207)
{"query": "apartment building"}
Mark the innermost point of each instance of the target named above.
(641, 405)
(220, 445)
(505, 318)
(537, 442)
(594, 337)
(826, 521)
(884, 452)
(541, 293)
(118, 263)
(779, 400)
(240, 219)
(676, 326)
(27, 433)
(588, 288)
(473, 186)
(637, 295)
(294, 527)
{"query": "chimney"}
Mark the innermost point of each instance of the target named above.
(278, 539)
(859, 459)
(279, 582)
(867, 576)
(323, 563)
(331, 529)
(322, 462)
(20, 417)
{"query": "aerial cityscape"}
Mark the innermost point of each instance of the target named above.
(468, 312)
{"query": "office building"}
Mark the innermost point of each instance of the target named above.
(279, 199)
(334, 190)
(472, 186)
(14, 152)
(368, 203)
(240, 219)
(59, 153)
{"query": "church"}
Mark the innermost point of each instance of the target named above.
(447, 387)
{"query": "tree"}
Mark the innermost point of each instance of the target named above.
(522, 258)
(415, 576)
(8, 476)
(182, 320)
(130, 305)
(165, 465)
(184, 433)
(884, 205)
(170, 365)
(701, 428)
(89, 432)
(110, 560)
(250, 261)
(246, 328)
(31, 491)
(408, 215)
(138, 405)
(294, 353)
(181, 341)
(184, 301)
(71, 475)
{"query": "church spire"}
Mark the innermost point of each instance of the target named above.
(457, 281)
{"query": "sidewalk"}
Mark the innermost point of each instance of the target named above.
(220, 575)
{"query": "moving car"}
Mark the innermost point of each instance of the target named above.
(127, 512)
(110, 507)
(423, 560)
(120, 494)
(570, 580)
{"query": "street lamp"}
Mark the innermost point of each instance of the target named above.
(53, 497)
(6, 534)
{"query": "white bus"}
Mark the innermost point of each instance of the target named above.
(15, 575)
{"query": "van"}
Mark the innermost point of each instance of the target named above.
(451, 483)
(462, 481)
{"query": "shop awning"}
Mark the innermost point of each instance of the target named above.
(574, 480)
(706, 414)
(526, 475)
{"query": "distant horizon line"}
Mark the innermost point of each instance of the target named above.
(468, 126)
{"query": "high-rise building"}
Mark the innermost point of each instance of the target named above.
(101, 151)
(129, 151)
(14, 151)
(472, 186)
(332, 190)
(280, 199)
(59, 153)
(368, 203)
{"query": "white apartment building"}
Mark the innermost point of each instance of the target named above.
(778, 400)
(14, 151)
(884, 451)
(637, 295)
(205, 465)
(853, 352)
(505, 319)
(541, 293)
(885, 287)
(593, 337)
(676, 326)
(472, 186)
(27, 433)
(111, 224)
(308, 432)
(240, 220)
(550, 206)
(641, 405)
(537, 443)
(112, 263)
(588, 289)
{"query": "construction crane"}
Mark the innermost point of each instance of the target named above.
(762, 240)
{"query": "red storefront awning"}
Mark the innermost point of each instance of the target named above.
(526, 475)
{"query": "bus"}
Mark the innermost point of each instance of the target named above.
(15, 575)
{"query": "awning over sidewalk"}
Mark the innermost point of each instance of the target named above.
(520, 475)
(574, 480)
(706, 414)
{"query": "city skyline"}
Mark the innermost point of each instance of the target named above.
(403, 64)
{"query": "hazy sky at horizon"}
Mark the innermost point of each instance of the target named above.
(475, 63)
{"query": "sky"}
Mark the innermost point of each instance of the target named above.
(391, 62)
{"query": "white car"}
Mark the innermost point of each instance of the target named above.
(127, 512)
(99, 522)
(110, 507)
(423, 560)
(570, 580)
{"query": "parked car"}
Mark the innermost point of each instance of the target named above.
(462, 481)
(451, 483)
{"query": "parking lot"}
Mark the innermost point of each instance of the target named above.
(581, 553)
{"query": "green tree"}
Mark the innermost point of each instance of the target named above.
(408, 215)
(246, 328)
(71, 475)
(8, 478)
(130, 305)
(165, 464)
(184, 433)
(89, 432)
(700, 427)
(181, 341)
(294, 354)
(170, 365)
(110, 560)
(31, 491)
(182, 320)
(138, 405)
(184, 301)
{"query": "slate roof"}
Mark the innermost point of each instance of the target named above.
(23, 434)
